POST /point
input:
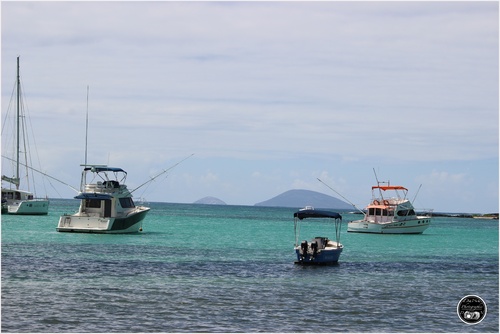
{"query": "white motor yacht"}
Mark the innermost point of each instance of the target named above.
(106, 205)
(390, 215)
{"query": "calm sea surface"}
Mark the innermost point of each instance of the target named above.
(201, 268)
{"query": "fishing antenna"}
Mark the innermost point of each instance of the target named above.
(87, 126)
(378, 184)
(341, 196)
(163, 172)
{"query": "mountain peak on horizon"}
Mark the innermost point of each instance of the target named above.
(299, 198)
(210, 200)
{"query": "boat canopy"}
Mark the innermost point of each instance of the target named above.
(311, 213)
(93, 196)
(384, 188)
(98, 169)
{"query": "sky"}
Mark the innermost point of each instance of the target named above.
(265, 96)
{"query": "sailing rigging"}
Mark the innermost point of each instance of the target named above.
(14, 199)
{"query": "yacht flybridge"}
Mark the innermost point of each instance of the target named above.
(106, 205)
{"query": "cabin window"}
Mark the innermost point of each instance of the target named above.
(93, 203)
(127, 203)
(379, 212)
(406, 212)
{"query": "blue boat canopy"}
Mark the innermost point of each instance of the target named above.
(93, 196)
(98, 169)
(311, 213)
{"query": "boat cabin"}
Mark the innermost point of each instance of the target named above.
(16, 195)
(389, 211)
(103, 205)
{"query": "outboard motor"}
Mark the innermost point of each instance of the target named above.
(314, 247)
(303, 249)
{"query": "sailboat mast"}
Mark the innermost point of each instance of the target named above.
(18, 121)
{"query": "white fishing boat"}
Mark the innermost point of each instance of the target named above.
(319, 250)
(14, 200)
(390, 212)
(106, 205)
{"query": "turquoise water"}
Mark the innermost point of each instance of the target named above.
(200, 268)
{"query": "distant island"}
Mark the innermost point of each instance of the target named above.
(210, 200)
(299, 198)
(466, 215)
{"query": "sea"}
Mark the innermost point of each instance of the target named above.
(225, 268)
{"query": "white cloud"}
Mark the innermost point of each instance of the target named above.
(405, 82)
(439, 178)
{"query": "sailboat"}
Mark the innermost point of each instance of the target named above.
(14, 200)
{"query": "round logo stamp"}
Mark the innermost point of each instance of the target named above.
(471, 309)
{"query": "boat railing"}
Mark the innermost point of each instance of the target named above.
(424, 212)
(100, 187)
(388, 200)
(84, 214)
(38, 199)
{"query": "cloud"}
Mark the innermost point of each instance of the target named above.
(405, 82)
(441, 177)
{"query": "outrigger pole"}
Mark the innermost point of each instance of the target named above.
(163, 172)
(341, 196)
(150, 180)
(414, 198)
(44, 174)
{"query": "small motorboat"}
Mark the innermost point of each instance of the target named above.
(319, 250)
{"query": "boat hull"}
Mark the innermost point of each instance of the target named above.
(414, 226)
(325, 256)
(132, 223)
(28, 207)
